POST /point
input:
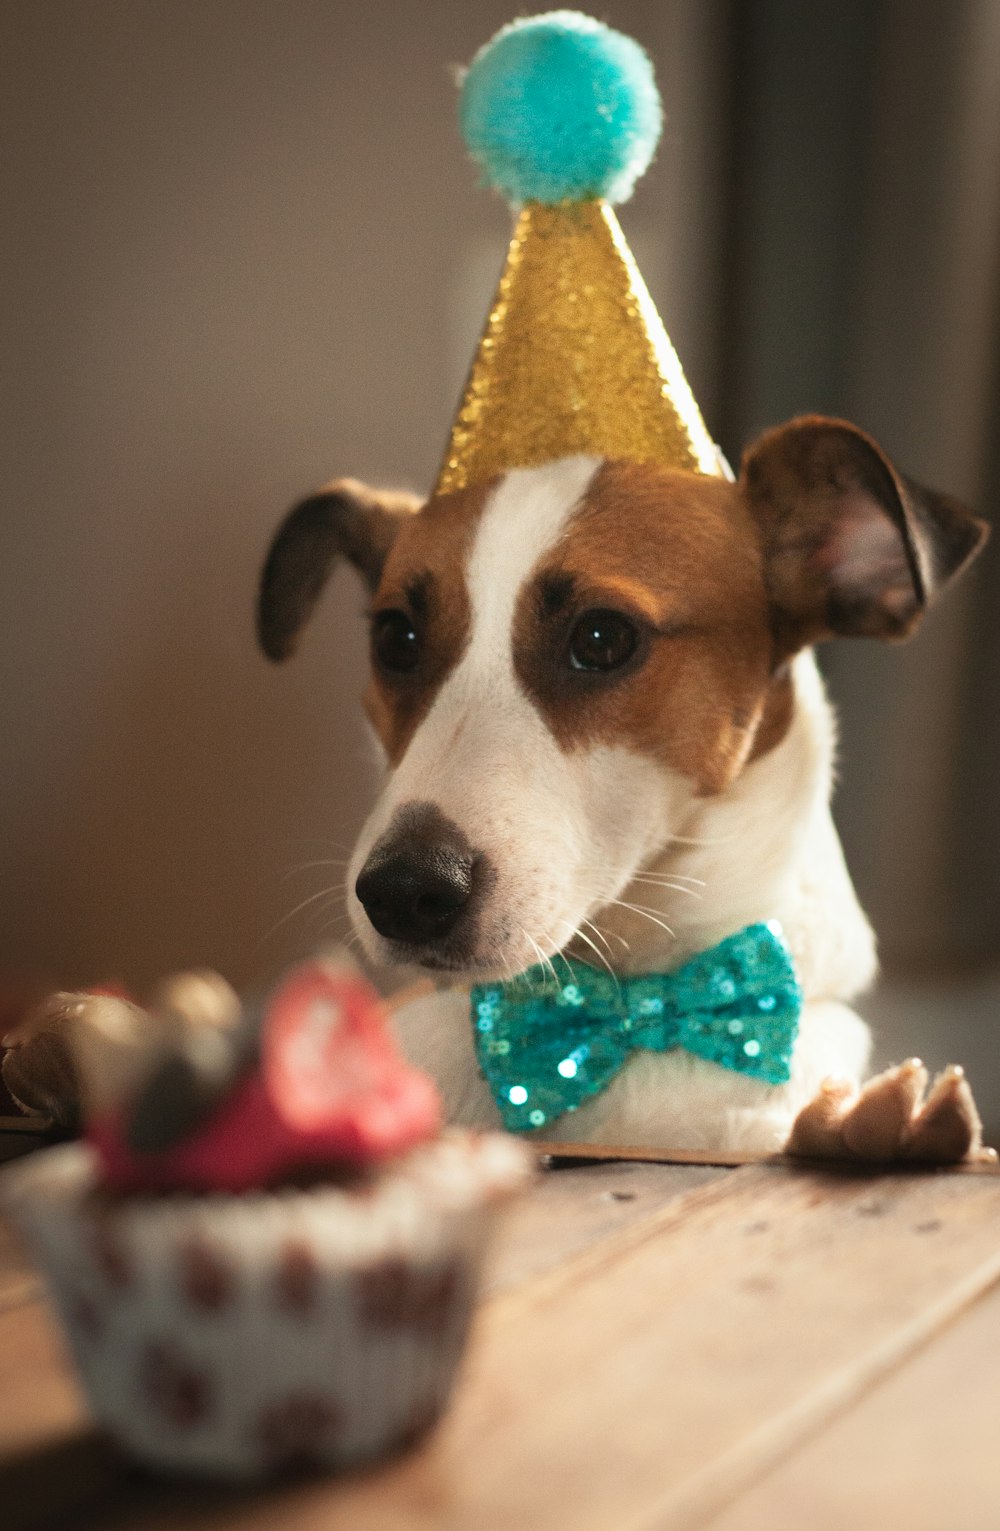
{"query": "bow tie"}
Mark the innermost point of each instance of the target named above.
(546, 1044)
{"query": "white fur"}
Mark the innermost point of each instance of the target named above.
(571, 834)
(559, 829)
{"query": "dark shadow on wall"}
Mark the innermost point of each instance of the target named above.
(863, 281)
(211, 793)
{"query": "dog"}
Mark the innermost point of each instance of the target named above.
(606, 736)
(594, 685)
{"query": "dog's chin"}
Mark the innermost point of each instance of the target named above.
(458, 968)
(456, 965)
(493, 957)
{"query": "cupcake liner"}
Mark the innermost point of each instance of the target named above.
(245, 1334)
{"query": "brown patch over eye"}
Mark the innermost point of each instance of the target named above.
(420, 616)
(649, 627)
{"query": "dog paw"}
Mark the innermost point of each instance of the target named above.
(79, 1052)
(893, 1119)
(38, 1066)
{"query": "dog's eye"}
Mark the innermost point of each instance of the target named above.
(602, 640)
(394, 641)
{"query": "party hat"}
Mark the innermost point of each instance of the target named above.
(563, 115)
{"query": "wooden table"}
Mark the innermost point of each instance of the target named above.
(660, 1346)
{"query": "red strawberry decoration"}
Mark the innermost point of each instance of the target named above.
(327, 1087)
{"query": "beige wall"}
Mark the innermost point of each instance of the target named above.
(242, 252)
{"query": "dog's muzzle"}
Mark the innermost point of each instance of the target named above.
(421, 883)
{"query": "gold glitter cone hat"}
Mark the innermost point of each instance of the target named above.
(563, 114)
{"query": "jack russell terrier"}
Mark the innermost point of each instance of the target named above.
(608, 740)
(609, 743)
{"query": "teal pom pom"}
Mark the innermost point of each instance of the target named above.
(561, 108)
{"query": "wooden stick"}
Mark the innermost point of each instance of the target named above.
(37, 1125)
(602, 1153)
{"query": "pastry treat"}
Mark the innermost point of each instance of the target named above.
(265, 1253)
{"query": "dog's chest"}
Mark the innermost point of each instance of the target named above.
(670, 1100)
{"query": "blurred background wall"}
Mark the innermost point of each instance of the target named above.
(242, 252)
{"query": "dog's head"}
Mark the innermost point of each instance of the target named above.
(566, 658)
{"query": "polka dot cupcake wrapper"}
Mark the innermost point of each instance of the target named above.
(244, 1336)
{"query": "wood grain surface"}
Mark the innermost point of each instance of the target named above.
(922, 1450)
(646, 1358)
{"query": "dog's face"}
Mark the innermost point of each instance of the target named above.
(564, 659)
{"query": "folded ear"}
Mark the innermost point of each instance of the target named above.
(345, 520)
(851, 547)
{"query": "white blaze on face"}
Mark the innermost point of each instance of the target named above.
(562, 831)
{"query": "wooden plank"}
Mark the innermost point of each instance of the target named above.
(49, 1464)
(568, 1211)
(681, 1365)
(46, 1472)
(919, 1451)
(643, 1383)
(18, 1280)
(573, 1209)
(38, 1400)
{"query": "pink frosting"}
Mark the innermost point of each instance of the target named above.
(331, 1090)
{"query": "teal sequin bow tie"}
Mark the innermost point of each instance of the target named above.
(545, 1045)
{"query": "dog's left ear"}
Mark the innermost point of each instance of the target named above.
(345, 520)
(851, 547)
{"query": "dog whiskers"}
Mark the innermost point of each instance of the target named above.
(328, 922)
(674, 887)
(598, 933)
(545, 962)
(675, 876)
(676, 882)
(323, 893)
(315, 843)
(604, 936)
(308, 865)
(647, 914)
(577, 932)
(330, 932)
(671, 879)
(557, 951)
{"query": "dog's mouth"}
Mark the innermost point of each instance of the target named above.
(463, 961)
(484, 949)
(423, 895)
(433, 961)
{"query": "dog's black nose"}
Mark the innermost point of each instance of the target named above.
(419, 879)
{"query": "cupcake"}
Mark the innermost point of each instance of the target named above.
(265, 1252)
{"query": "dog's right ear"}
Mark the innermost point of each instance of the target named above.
(852, 548)
(345, 520)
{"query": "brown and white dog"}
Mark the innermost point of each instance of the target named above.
(594, 685)
(606, 733)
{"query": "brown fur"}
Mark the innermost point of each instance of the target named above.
(853, 548)
(344, 520)
(424, 576)
(724, 582)
(679, 554)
